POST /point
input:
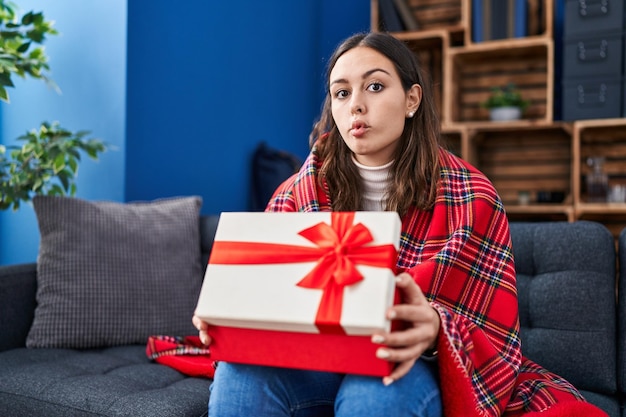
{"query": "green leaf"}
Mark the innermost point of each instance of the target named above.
(56, 190)
(27, 19)
(38, 184)
(93, 153)
(5, 79)
(38, 19)
(28, 148)
(9, 34)
(23, 47)
(73, 165)
(4, 95)
(59, 163)
(35, 35)
(64, 178)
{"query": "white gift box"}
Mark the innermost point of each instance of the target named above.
(273, 276)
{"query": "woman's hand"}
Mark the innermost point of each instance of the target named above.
(407, 345)
(203, 328)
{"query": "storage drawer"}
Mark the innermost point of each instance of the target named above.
(623, 100)
(592, 98)
(598, 54)
(588, 16)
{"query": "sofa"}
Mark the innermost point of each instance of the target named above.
(571, 322)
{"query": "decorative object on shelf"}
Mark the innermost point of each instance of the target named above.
(406, 14)
(47, 163)
(505, 103)
(389, 16)
(552, 197)
(597, 181)
(498, 19)
(523, 197)
(617, 193)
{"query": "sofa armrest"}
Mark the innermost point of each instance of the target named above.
(18, 288)
(566, 289)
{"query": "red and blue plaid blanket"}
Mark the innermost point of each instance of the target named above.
(460, 254)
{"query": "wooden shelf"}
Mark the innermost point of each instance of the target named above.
(601, 208)
(541, 212)
(534, 156)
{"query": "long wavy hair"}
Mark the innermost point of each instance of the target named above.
(415, 170)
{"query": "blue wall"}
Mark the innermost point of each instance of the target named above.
(208, 82)
(88, 62)
(185, 93)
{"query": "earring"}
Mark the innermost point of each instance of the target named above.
(411, 113)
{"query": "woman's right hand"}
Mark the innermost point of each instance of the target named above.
(203, 328)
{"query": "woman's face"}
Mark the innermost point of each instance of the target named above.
(369, 105)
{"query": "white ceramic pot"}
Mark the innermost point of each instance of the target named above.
(501, 114)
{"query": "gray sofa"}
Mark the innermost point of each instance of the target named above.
(571, 323)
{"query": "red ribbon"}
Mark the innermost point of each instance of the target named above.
(340, 247)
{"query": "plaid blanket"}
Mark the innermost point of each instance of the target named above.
(460, 255)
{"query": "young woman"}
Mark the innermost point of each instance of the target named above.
(376, 147)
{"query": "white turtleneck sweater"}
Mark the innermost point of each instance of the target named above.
(375, 182)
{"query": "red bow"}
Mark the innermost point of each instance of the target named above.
(340, 247)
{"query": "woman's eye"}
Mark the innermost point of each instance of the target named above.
(341, 94)
(375, 87)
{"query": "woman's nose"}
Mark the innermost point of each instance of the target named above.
(357, 106)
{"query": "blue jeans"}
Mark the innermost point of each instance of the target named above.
(247, 390)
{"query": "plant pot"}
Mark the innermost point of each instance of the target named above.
(502, 114)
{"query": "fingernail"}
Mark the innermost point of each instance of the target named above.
(203, 338)
(382, 353)
(391, 315)
(398, 279)
(387, 381)
(378, 339)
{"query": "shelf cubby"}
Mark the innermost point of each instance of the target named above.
(531, 161)
(470, 73)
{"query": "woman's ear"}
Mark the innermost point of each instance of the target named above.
(413, 98)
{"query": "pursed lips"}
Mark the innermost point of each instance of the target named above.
(358, 128)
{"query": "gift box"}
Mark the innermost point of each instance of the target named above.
(301, 290)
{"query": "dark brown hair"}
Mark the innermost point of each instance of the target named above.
(415, 170)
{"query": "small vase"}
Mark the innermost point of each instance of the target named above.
(502, 114)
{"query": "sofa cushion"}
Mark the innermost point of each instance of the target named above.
(112, 274)
(566, 286)
(115, 381)
(18, 286)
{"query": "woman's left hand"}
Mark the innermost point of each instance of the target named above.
(421, 333)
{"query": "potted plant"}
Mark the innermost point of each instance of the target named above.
(505, 103)
(47, 162)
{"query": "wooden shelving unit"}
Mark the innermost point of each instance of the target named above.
(536, 158)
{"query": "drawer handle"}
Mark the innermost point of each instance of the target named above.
(593, 52)
(591, 99)
(594, 9)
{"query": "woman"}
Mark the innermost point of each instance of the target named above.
(376, 147)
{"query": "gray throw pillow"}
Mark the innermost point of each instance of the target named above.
(115, 273)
